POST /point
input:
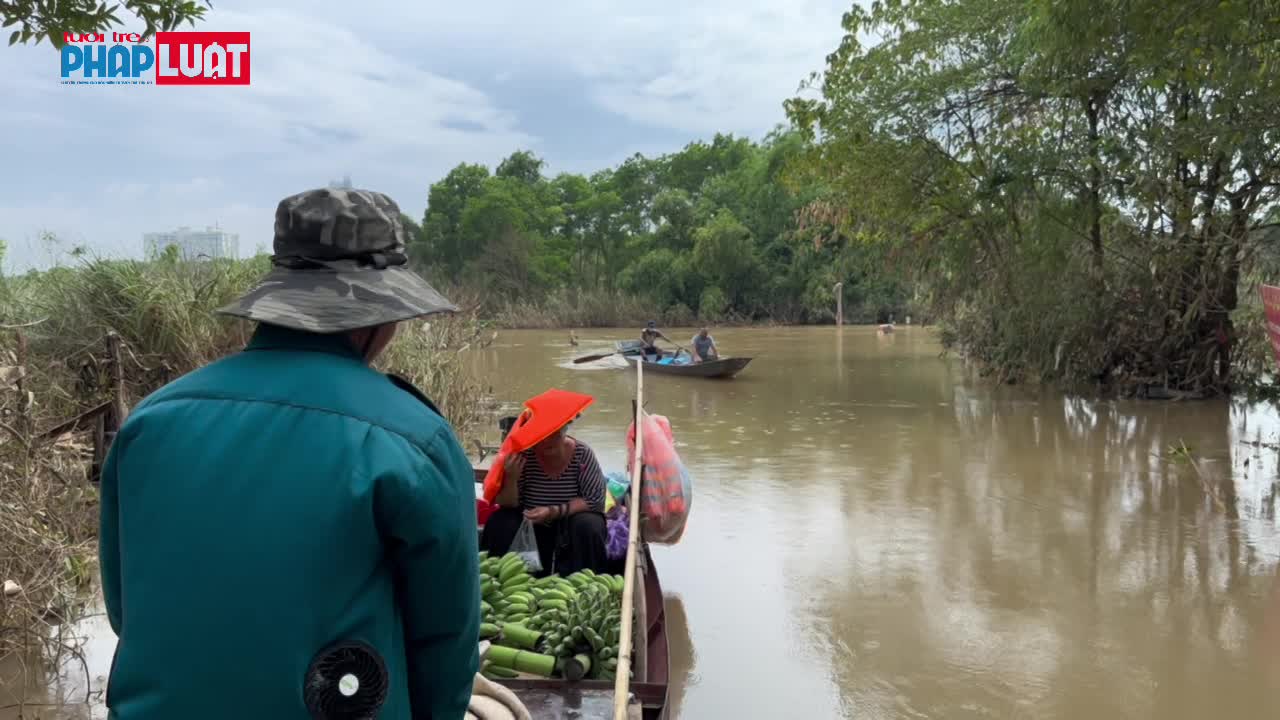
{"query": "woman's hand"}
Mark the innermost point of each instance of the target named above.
(542, 515)
(514, 465)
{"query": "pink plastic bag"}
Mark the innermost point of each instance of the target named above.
(667, 492)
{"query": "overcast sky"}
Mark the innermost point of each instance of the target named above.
(392, 93)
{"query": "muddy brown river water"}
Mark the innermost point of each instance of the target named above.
(877, 534)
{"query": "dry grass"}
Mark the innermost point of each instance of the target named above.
(48, 523)
(164, 313)
(433, 356)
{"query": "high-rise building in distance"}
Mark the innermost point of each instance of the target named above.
(207, 244)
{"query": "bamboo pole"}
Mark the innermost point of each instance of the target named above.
(839, 288)
(622, 683)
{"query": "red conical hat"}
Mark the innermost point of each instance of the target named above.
(542, 417)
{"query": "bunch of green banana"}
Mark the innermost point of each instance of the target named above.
(580, 615)
(576, 618)
(504, 593)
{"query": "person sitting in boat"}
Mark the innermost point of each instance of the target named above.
(556, 484)
(650, 335)
(704, 347)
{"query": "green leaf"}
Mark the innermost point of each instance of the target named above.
(13, 39)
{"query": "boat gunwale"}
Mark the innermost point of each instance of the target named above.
(714, 369)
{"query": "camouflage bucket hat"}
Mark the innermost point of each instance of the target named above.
(340, 263)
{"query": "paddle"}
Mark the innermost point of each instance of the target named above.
(590, 358)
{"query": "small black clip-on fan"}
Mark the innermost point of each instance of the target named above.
(346, 681)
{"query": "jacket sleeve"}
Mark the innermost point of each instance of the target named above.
(427, 514)
(109, 536)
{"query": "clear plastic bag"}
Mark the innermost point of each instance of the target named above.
(525, 545)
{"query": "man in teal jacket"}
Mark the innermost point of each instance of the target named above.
(286, 532)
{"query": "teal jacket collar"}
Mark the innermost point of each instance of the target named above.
(274, 337)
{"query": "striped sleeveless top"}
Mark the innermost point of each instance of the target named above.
(581, 478)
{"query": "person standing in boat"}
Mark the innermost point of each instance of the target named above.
(287, 511)
(649, 337)
(558, 486)
(704, 347)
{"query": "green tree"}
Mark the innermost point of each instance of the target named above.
(572, 193)
(724, 253)
(521, 165)
(661, 277)
(712, 305)
(49, 19)
(506, 264)
(674, 215)
(603, 213)
(1116, 154)
(441, 223)
(414, 231)
(506, 207)
(635, 182)
(723, 226)
(699, 161)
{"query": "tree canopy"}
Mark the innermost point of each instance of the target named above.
(49, 19)
(713, 230)
(1078, 185)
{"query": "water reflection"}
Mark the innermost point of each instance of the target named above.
(74, 690)
(839, 363)
(1044, 558)
(684, 656)
(1268, 644)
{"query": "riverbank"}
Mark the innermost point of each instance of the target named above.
(570, 309)
(168, 294)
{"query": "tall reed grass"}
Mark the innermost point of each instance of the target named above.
(164, 311)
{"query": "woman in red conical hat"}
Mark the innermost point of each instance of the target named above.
(553, 480)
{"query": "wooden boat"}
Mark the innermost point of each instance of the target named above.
(722, 368)
(630, 350)
(553, 698)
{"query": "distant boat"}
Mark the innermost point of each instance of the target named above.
(722, 368)
(682, 364)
